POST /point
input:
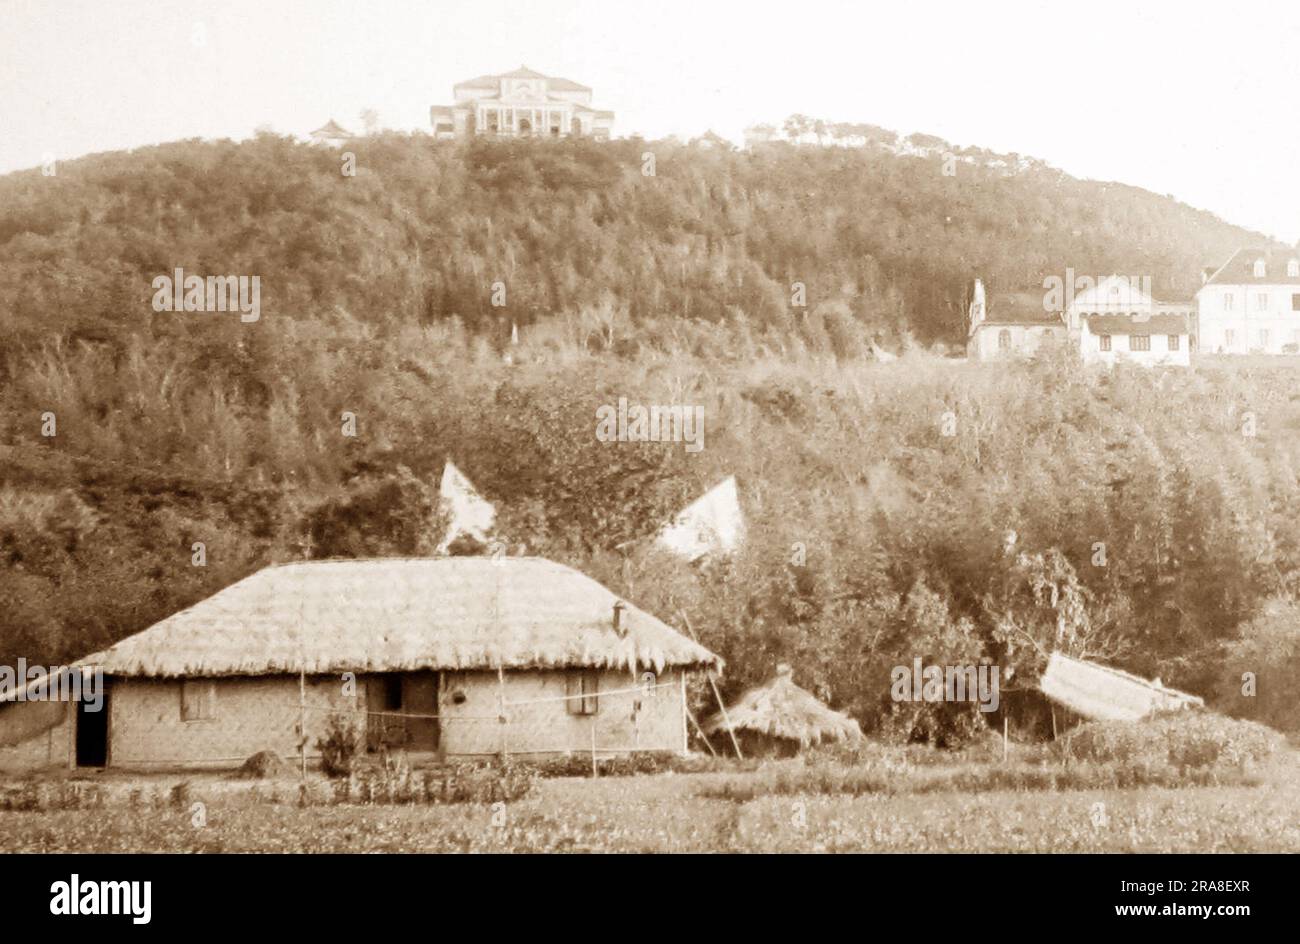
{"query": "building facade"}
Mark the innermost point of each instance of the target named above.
(447, 658)
(331, 134)
(1012, 325)
(1251, 304)
(1151, 340)
(1118, 319)
(523, 103)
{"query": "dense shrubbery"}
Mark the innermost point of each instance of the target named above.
(579, 765)
(1185, 749)
(1184, 740)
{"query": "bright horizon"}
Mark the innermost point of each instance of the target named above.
(1152, 97)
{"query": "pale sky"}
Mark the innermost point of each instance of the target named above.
(1197, 100)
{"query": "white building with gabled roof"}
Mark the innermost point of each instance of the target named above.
(1251, 304)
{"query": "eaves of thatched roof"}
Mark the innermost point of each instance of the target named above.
(454, 613)
(779, 708)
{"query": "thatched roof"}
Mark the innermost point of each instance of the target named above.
(398, 614)
(780, 708)
(1100, 693)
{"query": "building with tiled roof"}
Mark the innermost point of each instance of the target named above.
(1251, 304)
(521, 103)
(1010, 325)
(331, 134)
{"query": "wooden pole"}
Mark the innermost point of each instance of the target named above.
(302, 718)
(595, 771)
(1005, 742)
(703, 737)
(501, 710)
(716, 694)
(686, 732)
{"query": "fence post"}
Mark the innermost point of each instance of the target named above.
(302, 718)
(501, 706)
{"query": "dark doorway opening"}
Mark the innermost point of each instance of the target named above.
(92, 732)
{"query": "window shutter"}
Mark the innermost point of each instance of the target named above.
(198, 700)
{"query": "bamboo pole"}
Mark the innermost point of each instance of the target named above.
(595, 771)
(501, 708)
(726, 719)
(686, 732)
(703, 737)
(302, 718)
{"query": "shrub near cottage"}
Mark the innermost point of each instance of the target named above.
(1187, 741)
(338, 747)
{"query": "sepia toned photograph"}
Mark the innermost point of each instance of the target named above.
(622, 427)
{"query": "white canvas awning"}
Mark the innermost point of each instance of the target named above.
(712, 524)
(1100, 693)
(469, 513)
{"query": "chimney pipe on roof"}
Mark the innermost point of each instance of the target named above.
(619, 607)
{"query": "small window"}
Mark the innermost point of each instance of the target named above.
(1261, 269)
(1103, 341)
(1229, 337)
(1173, 342)
(1140, 342)
(1004, 340)
(1295, 301)
(581, 687)
(1293, 269)
(198, 700)
(1227, 301)
(1261, 301)
(1263, 337)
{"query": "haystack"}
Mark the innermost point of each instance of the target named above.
(780, 718)
(264, 765)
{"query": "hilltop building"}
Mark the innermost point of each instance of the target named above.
(1251, 304)
(522, 103)
(331, 134)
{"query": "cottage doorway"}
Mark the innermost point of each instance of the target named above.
(92, 732)
(402, 708)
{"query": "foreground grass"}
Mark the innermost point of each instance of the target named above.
(671, 813)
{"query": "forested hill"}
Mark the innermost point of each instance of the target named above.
(149, 459)
(884, 242)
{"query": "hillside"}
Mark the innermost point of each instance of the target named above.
(882, 240)
(875, 537)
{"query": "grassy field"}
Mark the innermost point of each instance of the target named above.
(674, 813)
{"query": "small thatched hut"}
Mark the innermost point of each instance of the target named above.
(454, 657)
(778, 718)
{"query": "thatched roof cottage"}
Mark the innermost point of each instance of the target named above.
(455, 657)
(778, 718)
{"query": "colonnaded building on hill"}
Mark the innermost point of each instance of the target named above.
(520, 104)
(451, 657)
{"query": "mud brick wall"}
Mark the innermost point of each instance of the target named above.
(470, 727)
